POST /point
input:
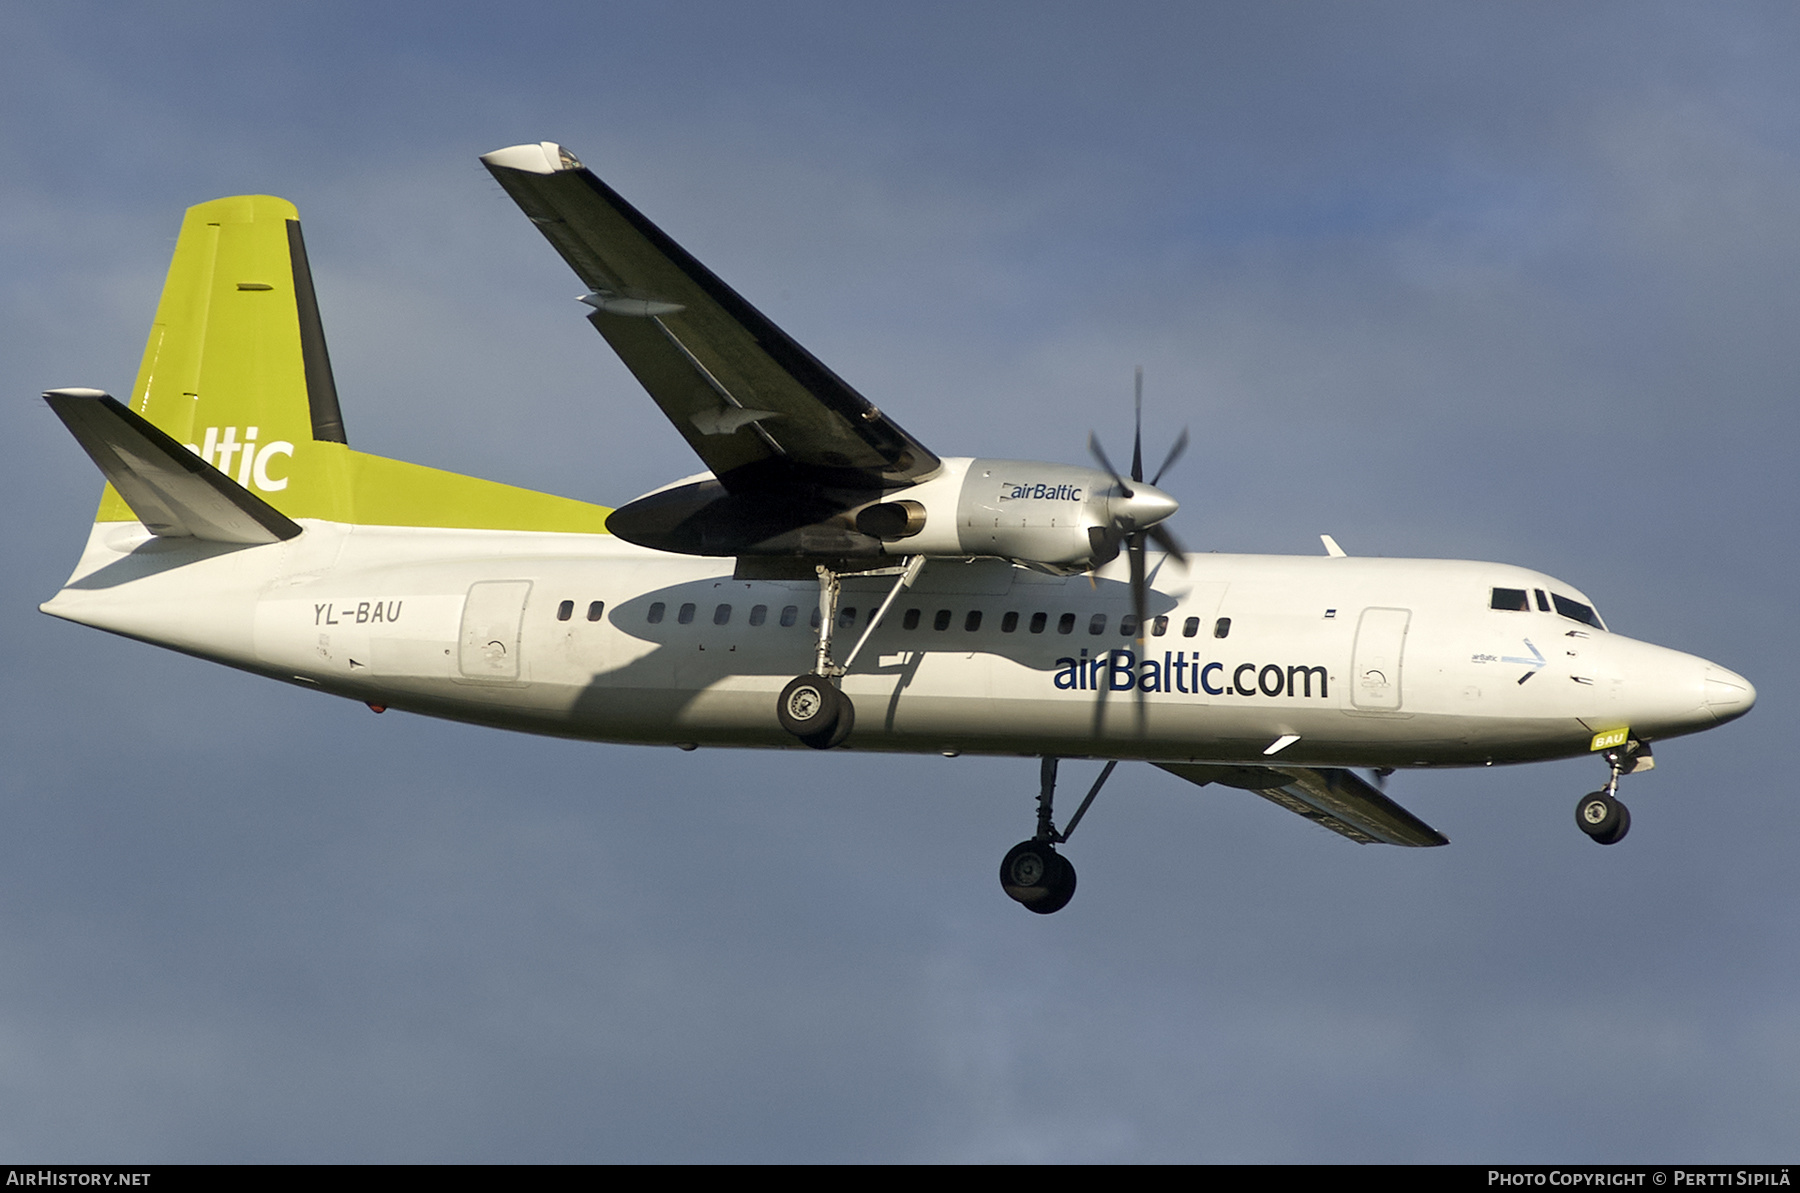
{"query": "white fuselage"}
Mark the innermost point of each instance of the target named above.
(1365, 662)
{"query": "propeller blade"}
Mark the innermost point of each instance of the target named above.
(1100, 455)
(1137, 431)
(1140, 594)
(1166, 541)
(1140, 602)
(1181, 443)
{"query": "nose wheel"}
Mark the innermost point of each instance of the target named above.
(1603, 817)
(1601, 814)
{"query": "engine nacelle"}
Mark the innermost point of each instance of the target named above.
(1057, 515)
(1061, 517)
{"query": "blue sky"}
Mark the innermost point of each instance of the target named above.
(1502, 281)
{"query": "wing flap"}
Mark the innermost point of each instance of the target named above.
(1340, 800)
(172, 491)
(758, 409)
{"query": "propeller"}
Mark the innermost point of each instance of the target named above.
(1137, 515)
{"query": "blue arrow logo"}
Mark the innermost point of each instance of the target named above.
(1535, 662)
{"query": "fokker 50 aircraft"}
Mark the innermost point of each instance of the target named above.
(994, 606)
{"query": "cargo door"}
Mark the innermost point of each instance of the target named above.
(489, 643)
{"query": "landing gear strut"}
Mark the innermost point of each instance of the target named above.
(1601, 814)
(812, 708)
(1032, 873)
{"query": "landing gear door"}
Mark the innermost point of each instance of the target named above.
(1375, 664)
(488, 647)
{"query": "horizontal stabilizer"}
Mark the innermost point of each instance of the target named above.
(1339, 799)
(173, 492)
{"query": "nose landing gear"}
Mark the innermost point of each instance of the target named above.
(1032, 873)
(1601, 814)
(1602, 817)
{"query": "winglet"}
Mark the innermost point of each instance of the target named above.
(173, 492)
(1331, 547)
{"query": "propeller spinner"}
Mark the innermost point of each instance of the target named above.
(1138, 511)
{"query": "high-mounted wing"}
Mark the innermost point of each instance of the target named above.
(762, 412)
(1338, 799)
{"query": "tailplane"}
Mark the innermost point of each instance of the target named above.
(172, 492)
(236, 373)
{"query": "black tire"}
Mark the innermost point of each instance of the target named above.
(809, 707)
(1618, 833)
(834, 737)
(1062, 888)
(1599, 815)
(1036, 877)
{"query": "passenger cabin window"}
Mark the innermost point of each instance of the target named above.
(911, 620)
(685, 615)
(790, 614)
(1009, 623)
(972, 622)
(1576, 611)
(846, 617)
(1065, 624)
(759, 614)
(721, 615)
(595, 609)
(1513, 600)
(1190, 627)
(1039, 621)
(942, 620)
(565, 611)
(815, 619)
(1222, 627)
(1128, 625)
(656, 613)
(1159, 627)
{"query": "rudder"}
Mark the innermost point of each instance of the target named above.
(236, 366)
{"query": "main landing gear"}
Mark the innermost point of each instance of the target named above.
(812, 707)
(1601, 814)
(813, 710)
(1032, 873)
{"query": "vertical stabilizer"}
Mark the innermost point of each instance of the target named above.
(236, 367)
(236, 372)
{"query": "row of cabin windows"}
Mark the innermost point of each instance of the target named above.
(566, 610)
(910, 620)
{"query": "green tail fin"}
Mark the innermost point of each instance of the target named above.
(236, 366)
(236, 370)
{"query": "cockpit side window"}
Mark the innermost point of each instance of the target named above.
(1511, 599)
(1576, 611)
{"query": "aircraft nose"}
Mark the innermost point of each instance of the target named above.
(1146, 506)
(1728, 694)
